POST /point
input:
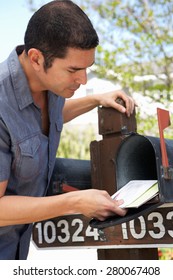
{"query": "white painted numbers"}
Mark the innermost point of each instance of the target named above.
(61, 231)
(158, 230)
(71, 231)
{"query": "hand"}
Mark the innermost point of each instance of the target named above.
(109, 100)
(98, 204)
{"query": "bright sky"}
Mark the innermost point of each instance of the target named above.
(14, 16)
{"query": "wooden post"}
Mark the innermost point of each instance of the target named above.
(128, 254)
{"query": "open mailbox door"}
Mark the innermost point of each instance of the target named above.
(144, 158)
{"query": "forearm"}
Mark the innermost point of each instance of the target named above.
(75, 107)
(79, 106)
(22, 209)
(91, 203)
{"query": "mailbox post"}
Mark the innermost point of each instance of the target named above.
(114, 128)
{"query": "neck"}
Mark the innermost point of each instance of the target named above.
(39, 96)
(31, 75)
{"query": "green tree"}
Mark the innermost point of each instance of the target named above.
(75, 142)
(137, 49)
(136, 39)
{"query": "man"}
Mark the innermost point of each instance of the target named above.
(35, 80)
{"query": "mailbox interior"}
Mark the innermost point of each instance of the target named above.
(136, 160)
(139, 158)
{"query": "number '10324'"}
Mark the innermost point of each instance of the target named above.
(60, 231)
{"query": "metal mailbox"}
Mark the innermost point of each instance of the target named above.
(70, 175)
(143, 158)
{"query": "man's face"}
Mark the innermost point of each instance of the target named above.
(66, 75)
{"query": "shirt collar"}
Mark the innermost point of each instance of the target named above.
(21, 87)
(19, 80)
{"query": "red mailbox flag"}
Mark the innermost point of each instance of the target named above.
(163, 122)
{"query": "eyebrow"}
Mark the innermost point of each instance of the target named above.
(79, 68)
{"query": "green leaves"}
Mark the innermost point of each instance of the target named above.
(137, 39)
(75, 142)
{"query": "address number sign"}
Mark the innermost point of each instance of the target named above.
(153, 228)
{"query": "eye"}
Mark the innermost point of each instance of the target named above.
(72, 70)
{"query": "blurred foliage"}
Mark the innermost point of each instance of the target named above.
(136, 39)
(75, 142)
(149, 126)
(165, 253)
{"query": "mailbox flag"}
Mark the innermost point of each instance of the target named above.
(163, 122)
(163, 118)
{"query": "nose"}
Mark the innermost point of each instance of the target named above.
(81, 77)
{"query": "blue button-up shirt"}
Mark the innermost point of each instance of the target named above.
(27, 156)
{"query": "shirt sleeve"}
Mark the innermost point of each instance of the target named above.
(5, 152)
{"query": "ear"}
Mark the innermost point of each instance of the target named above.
(36, 59)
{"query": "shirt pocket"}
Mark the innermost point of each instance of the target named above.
(27, 161)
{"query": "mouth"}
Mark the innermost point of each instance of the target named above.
(73, 89)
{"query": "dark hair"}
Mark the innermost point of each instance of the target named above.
(57, 26)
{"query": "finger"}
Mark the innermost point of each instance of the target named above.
(119, 107)
(119, 211)
(130, 106)
(128, 103)
(119, 202)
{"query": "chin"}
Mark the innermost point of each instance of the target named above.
(65, 94)
(69, 93)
